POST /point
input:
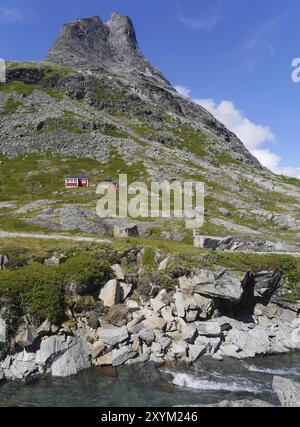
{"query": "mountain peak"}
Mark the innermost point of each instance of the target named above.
(122, 31)
(90, 43)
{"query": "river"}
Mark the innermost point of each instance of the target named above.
(146, 385)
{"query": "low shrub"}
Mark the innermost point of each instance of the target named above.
(39, 290)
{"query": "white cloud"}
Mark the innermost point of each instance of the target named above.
(211, 15)
(183, 90)
(272, 162)
(200, 24)
(252, 135)
(11, 16)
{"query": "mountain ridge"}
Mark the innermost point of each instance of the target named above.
(78, 105)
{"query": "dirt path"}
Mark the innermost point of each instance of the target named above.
(8, 235)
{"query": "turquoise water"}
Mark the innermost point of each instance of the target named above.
(146, 385)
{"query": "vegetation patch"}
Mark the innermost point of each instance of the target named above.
(11, 106)
(39, 290)
(25, 89)
(191, 140)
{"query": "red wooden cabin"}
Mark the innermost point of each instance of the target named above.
(76, 181)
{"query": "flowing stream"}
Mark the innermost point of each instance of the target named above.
(146, 385)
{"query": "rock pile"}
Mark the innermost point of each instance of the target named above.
(217, 313)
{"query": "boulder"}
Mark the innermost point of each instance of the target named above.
(21, 367)
(249, 343)
(165, 342)
(227, 286)
(180, 349)
(196, 351)
(268, 311)
(154, 321)
(288, 392)
(202, 277)
(287, 316)
(143, 358)
(191, 316)
(117, 315)
(136, 325)
(97, 349)
(188, 331)
(209, 329)
(164, 264)
(126, 290)
(121, 355)
(156, 349)
(113, 335)
(129, 231)
(211, 344)
(205, 305)
(75, 359)
(3, 331)
(157, 305)
(51, 348)
(110, 294)
(207, 242)
(180, 304)
(294, 342)
(147, 336)
(167, 314)
(267, 283)
(118, 271)
(45, 328)
(105, 360)
(26, 336)
(53, 261)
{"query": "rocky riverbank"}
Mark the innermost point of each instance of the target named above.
(138, 317)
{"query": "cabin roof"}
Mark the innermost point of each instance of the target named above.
(76, 177)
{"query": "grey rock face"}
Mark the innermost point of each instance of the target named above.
(91, 43)
(287, 391)
(51, 348)
(21, 367)
(26, 336)
(113, 336)
(267, 283)
(75, 359)
(227, 286)
(121, 355)
(147, 336)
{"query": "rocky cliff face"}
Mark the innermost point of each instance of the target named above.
(90, 43)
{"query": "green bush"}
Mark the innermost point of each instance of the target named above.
(36, 289)
(85, 273)
(39, 289)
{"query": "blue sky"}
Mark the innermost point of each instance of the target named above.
(232, 56)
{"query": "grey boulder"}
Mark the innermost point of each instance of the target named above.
(121, 355)
(113, 335)
(288, 392)
(26, 336)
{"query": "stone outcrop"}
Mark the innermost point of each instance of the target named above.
(287, 391)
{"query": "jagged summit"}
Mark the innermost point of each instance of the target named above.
(91, 43)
